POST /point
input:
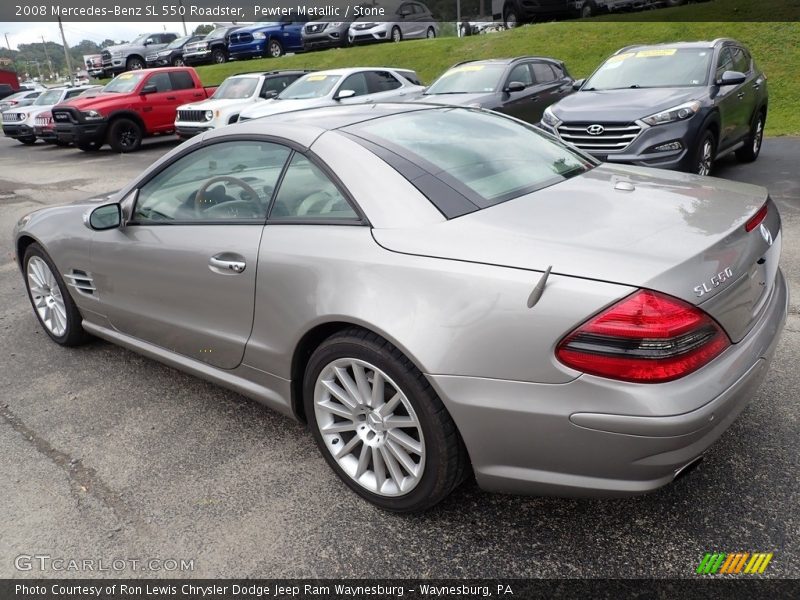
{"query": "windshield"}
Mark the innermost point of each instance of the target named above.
(468, 79)
(654, 67)
(218, 33)
(179, 42)
(139, 41)
(236, 88)
(49, 97)
(310, 86)
(125, 83)
(495, 157)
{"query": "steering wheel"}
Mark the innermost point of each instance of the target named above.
(202, 203)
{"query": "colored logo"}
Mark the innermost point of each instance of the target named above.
(735, 563)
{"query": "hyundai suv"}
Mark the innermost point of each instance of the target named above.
(673, 106)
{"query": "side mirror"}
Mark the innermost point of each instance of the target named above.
(732, 78)
(514, 86)
(108, 216)
(345, 94)
(150, 88)
(576, 85)
(269, 94)
(148, 42)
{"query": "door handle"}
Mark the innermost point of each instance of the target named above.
(740, 95)
(227, 263)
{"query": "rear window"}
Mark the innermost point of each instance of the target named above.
(493, 157)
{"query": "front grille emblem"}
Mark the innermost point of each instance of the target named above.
(595, 129)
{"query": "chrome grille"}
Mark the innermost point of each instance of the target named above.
(106, 56)
(196, 116)
(11, 117)
(42, 121)
(605, 137)
(82, 281)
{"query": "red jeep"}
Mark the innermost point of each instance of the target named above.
(134, 105)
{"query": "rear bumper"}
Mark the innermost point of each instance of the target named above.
(597, 437)
(81, 133)
(17, 131)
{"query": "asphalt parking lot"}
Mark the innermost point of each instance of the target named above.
(110, 455)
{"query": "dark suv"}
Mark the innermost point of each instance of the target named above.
(673, 106)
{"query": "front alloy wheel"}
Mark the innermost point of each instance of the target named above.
(705, 154)
(510, 20)
(397, 35)
(275, 50)
(380, 425)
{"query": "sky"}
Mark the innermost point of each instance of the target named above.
(27, 33)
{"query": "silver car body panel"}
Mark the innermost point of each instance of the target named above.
(452, 295)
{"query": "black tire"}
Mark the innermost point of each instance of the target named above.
(446, 460)
(510, 18)
(703, 164)
(752, 145)
(219, 56)
(125, 135)
(274, 49)
(397, 35)
(28, 141)
(135, 63)
(588, 10)
(431, 33)
(178, 62)
(74, 333)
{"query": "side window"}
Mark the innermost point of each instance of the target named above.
(276, 85)
(741, 60)
(225, 181)
(73, 93)
(356, 82)
(168, 37)
(543, 72)
(306, 192)
(522, 74)
(181, 80)
(724, 62)
(381, 81)
(161, 81)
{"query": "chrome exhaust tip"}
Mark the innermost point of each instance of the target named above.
(687, 468)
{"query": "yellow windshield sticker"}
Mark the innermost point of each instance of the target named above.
(660, 52)
(317, 78)
(620, 57)
(126, 76)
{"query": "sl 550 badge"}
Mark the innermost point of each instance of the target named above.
(715, 281)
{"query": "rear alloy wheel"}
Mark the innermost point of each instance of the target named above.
(178, 62)
(752, 146)
(706, 152)
(431, 33)
(274, 49)
(587, 10)
(397, 35)
(218, 56)
(510, 19)
(125, 136)
(380, 425)
(50, 299)
(134, 63)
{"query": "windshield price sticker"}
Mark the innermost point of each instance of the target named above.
(652, 53)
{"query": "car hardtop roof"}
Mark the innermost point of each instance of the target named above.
(275, 72)
(351, 70)
(696, 44)
(507, 61)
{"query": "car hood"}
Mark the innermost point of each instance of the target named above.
(216, 104)
(620, 105)
(96, 102)
(480, 99)
(669, 227)
(274, 107)
(30, 109)
(258, 27)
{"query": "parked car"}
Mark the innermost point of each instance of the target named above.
(172, 54)
(340, 86)
(325, 34)
(234, 95)
(19, 123)
(410, 20)
(438, 292)
(268, 38)
(131, 56)
(674, 106)
(213, 48)
(133, 106)
(521, 87)
(516, 12)
(18, 100)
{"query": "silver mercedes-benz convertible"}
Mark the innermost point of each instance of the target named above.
(437, 291)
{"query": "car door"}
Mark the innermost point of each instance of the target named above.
(405, 19)
(519, 104)
(358, 83)
(292, 33)
(729, 101)
(383, 86)
(158, 107)
(181, 272)
(183, 90)
(748, 93)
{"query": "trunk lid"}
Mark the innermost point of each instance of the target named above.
(676, 233)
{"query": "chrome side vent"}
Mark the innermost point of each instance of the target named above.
(81, 281)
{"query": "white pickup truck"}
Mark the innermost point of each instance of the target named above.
(235, 94)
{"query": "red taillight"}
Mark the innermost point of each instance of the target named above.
(647, 337)
(755, 221)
